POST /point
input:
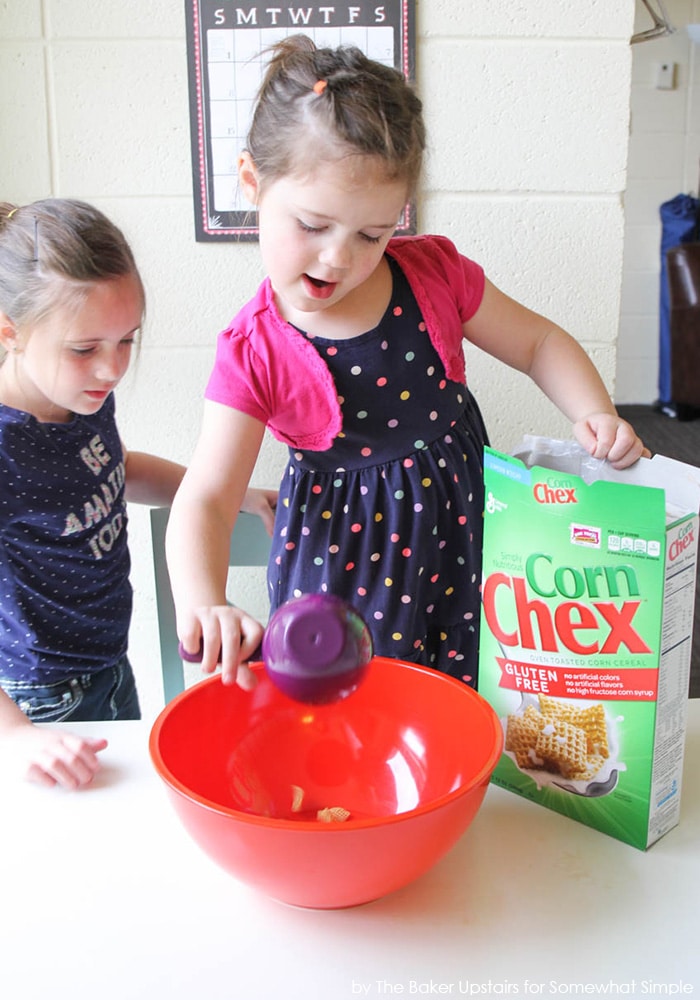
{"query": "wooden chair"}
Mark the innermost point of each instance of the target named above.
(250, 546)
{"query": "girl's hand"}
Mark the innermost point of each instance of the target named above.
(606, 435)
(263, 503)
(49, 757)
(226, 636)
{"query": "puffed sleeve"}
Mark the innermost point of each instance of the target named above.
(267, 369)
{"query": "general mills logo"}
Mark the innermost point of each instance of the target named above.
(493, 505)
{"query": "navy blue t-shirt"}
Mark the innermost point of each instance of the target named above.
(65, 596)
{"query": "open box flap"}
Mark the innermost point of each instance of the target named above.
(680, 481)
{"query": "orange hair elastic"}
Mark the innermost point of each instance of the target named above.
(320, 86)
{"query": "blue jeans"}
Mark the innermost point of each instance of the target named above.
(104, 695)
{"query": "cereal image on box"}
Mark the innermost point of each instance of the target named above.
(561, 738)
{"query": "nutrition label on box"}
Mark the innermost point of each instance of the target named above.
(227, 42)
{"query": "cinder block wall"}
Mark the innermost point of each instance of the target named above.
(527, 106)
(664, 160)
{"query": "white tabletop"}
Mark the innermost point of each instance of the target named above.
(104, 896)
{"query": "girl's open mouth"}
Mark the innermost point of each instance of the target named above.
(316, 288)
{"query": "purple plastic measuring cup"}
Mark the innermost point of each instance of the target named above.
(316, 648)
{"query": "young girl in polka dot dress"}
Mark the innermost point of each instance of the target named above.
(71, 304)
(351, 353)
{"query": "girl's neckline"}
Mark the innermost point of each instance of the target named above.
(317, 338)
(341, 342)
(27, 418)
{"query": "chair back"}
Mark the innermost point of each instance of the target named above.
(250, 546)
(683, 272)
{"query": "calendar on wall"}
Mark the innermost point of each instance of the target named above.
(226, 45)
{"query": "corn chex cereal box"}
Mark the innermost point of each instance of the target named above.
(588, 593)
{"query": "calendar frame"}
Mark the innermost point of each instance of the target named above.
(348, 21)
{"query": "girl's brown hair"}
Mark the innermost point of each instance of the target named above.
(358, 106)
(52, 252)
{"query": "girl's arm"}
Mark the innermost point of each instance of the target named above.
(263, 503)
(155, 481)
(151, 480)
(198, 539)
(560, 367)
(44, 755)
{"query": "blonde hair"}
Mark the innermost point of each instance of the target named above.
(51, 254)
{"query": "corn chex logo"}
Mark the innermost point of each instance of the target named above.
(680, 544)
(544, 493)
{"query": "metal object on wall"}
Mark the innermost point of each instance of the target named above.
(661, 24)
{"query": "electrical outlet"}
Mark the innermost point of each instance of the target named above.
(665, 76)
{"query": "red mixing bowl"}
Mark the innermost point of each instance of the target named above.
(252, 776)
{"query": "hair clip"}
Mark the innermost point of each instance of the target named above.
(36, 241)
(320, 86)
(10, 214)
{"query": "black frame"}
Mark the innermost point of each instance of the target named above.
(334, 24)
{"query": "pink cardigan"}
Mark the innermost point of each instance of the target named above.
(264, 367)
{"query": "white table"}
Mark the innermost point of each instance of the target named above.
(104, 896)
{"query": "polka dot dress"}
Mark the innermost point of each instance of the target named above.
(390, 517)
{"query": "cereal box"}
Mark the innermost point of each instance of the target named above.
(586, 630)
